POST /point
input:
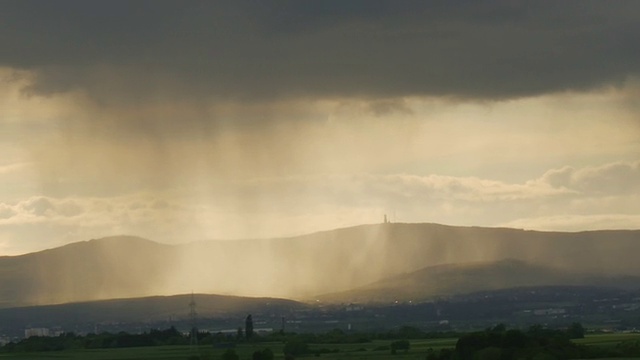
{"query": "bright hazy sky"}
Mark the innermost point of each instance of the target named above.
(191, 120)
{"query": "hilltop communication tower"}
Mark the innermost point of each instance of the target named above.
(193, 316)
(386, 219)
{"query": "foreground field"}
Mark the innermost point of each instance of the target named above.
(378, 349)
(372, 350)
(607, 339)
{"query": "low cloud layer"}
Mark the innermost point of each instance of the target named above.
(617, 178)
(305, 204)
(247, 119)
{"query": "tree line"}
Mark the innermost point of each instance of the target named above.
(497, 342)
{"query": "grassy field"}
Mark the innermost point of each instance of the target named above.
(159, 353)
(374, 350)
(346, 351)
(607, 339)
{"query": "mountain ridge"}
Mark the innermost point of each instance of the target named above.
(297, 267)
(447, 280)
(168, 310)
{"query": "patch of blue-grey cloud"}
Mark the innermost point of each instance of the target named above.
(270, 118)
(560, 199)
(121, 52)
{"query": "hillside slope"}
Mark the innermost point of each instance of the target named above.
(156, 309)
(343, 259)
(456, 279)
(297, 267)
(112, 267)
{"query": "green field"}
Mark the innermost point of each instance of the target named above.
(607, 339)
(377, 349)
(245, 351)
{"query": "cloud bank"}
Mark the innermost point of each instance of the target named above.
(552, 201)
(119, 52)
(187, 120)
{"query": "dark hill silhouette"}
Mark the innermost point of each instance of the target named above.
(141, 310)
(122, 266)
(456, 279)
(296, 267)
(343, 259)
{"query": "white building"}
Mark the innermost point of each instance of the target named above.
(36, 332)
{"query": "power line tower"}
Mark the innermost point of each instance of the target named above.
(193, 316)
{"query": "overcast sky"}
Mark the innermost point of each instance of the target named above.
(191, 120)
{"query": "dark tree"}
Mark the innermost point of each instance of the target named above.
(513, 339)
(400, 345)
(248, 327)
(575, 331)
(265, 354)
(295, 347)
(230, 354)
(468, 344)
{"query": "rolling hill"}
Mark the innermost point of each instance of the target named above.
(142, 310)
(457, 279)
(98, 269)
(296, 267)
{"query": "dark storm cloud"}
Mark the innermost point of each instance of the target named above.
(244, 50)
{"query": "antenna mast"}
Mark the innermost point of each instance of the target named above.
(193, 316)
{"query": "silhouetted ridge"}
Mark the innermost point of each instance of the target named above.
(111, 267)
(455, 279)
(320, 263)
(146, 309)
